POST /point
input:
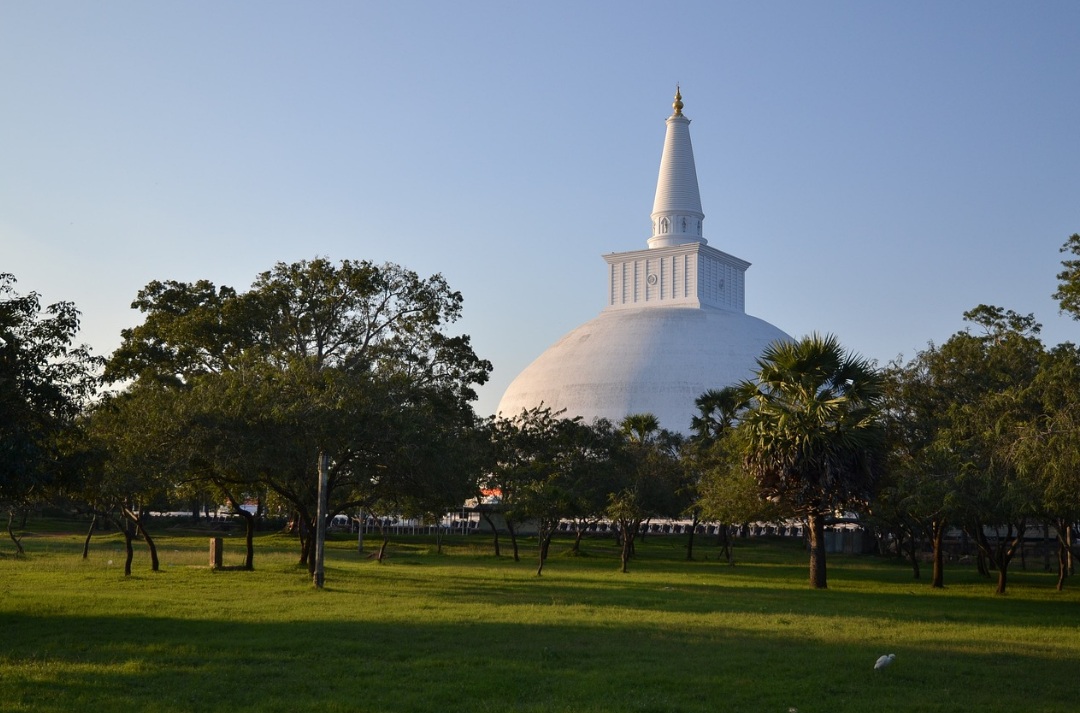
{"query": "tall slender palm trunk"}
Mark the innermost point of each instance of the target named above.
(816, 526)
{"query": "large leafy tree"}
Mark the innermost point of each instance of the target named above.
(45, 382)
(812, 431)
(917, 496)
(532, 471)
(347, 360)
(594, 466)
(512, 462)
(989, 374)
(651, 480)
(1049, 447)
(137, 435)
(555, 468)
(968, 425)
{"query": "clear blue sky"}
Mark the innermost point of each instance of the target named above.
(884, 166)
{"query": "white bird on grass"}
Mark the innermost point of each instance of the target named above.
(884, 661)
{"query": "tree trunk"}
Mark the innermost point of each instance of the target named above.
(249, 538)
(513, 539)
(624, 552)
(690, 539)
(937, 529)
(1046, 546)
(546, 534)
(129, 551)
(1003, 575)
(1065, 553)
(307, 558)
(360, 520)
(1069, 546)
(1006, 550)
(816, 528)
(545, 541)
(576, 547)
(249, 526)
(1001, 551)
(89, 534)
(913, 555)
(155, 565)
(628, 531)
(305, 528)
(980, 563)
(494, 532)
(1063, 566)
(724, 532)
(11, 533)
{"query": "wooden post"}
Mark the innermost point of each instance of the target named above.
(216, 549)
(320, 520)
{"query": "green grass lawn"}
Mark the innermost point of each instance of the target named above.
(466, 631)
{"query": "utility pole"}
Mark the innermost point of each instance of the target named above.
(320, 519)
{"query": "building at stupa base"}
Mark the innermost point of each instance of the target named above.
(674, 325)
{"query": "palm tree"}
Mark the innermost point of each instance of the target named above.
(718, 411)
(640, 428)
(813, 434)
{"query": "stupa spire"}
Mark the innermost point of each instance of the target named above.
(676, 216)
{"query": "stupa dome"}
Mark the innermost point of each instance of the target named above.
(674, 326)
(644, 360)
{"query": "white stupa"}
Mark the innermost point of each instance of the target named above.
(674, 325)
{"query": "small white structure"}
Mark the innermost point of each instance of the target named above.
(674, 325)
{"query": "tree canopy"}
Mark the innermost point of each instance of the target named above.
(1068, 291)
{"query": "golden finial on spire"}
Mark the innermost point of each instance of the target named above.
(677, 105)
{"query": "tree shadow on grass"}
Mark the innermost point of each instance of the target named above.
(726, 592)
(63, 663)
